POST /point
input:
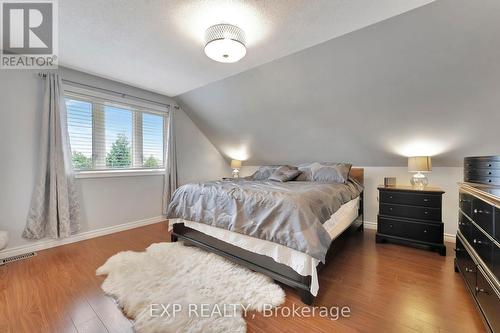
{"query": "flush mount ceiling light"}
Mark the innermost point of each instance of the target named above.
(225, 43)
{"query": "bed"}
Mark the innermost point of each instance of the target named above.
(287, 252)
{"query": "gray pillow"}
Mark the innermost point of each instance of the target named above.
(265, 171)
(329, 172)
(284, 174)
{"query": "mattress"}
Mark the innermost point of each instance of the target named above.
(300, 262)
(288, 213)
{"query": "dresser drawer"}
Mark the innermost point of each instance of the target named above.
(482, 180)
(481, 163)
(465, 203)
(414, 199)
(466, 265)
(424, 232)
(488, 300)
(482, 245)
(497, 224)
(483, 215)
(496, 262)
(413, 212)
(465, 226)
(495, 173)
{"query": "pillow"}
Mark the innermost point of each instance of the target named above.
(284, 174)
(264, 172)
(329, 172)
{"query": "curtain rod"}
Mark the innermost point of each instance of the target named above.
(43, 75)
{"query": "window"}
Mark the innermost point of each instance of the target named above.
(109, 135)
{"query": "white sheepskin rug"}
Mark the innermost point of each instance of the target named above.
(149, 285)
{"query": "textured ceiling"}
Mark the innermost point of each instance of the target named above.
(158, 44)
(424, 82)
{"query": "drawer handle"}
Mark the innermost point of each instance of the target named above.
(425, 231)
(426, 212)
(390, 197)
(426, 200)
(478, 211)
(390, 208)
(390, 225)
(481, 290)
(468, 270)
(480, 242)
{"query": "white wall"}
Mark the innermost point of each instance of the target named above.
(443, 177)
(105, 201)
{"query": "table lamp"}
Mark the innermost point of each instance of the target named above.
(419, 164)
(236, 165)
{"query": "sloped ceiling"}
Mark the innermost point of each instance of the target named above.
(426, 82)
(158, 44)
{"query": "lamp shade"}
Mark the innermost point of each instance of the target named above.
(419, 163)
(235, 164)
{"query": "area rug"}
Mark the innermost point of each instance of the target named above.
(175, 288)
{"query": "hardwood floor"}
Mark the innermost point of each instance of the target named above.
(388, 288)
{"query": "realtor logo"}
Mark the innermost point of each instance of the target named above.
(28, 36)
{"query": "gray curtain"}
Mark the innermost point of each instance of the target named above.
(54, 210)
(170, 179)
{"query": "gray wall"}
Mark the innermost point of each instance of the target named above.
(105, 201)
(425, 82)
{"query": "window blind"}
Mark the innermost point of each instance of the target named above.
(105, 135)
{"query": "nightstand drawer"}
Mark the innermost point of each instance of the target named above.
(424, 232)
(413, 199)
(466, 264)
(413, 212)
(482, 215)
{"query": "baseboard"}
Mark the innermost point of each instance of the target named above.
(370, 225)
(450, 238)
(50, 243)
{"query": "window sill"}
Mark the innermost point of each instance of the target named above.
(118, 173)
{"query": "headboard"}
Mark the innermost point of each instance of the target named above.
(359, 175)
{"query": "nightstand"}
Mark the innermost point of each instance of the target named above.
(412, 216)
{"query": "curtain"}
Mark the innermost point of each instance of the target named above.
(170, 179)
(54, 210)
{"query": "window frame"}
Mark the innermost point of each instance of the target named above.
(96, 98)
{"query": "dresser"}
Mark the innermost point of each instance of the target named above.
(411, 216)
(477, 256)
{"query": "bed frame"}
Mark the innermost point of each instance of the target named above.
(264, 264)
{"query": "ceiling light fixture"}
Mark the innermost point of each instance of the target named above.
(225, 43)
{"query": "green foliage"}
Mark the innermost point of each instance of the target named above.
(80, 161)
(119, 156)
(151, 162)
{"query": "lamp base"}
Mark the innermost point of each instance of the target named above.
(419, 180)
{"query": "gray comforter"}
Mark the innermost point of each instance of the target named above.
(291, 213)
